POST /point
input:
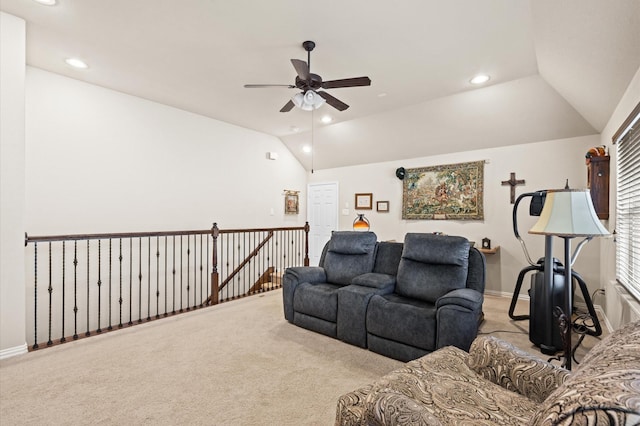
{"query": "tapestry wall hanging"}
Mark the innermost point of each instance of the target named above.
(450, 191)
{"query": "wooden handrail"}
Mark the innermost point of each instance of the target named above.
(106, 236)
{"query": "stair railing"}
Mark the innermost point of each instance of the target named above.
(87, 284)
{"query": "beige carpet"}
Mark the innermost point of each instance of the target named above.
(239, 363)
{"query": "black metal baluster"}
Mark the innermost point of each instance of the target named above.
(165, 276)
(120, 325)
(208, 277)
(269, 248)
(149, 279)
(173, 299)
(236, 261)
(188, 275)
(157, 277)
(181, 274)
(99, 330)
(88, 332)
(130, 281)
(75, 290)
(35, 295)
(64, 255)
(201, 251)
(110, 327)
(50, 290)
(229, 255)
(139, 280)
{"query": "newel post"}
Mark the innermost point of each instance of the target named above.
(306, 243)
(215, 279)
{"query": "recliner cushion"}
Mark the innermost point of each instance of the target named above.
(432, 265)
(349, 254)
(409, 321)
(317, 300)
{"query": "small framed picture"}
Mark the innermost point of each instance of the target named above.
(382, 206)
(364, 201)
(291, 203)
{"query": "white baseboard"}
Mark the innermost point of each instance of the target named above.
(14, 351)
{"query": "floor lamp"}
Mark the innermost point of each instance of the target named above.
(568, 213)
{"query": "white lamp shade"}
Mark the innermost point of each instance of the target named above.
(308, 101)
(569, 213)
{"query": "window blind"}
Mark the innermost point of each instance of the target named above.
(628, 207)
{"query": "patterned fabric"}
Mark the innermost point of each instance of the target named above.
(497, 384)
(604, 390)
(513, 369)
(441, 389)
(350, 409)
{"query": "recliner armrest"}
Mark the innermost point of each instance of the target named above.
(295, 276)
(376, 280)
(307, 274)
(465, 297)
(516, 370)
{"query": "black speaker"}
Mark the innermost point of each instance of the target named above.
(400, 173)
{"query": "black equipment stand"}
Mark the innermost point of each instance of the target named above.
(548, 290)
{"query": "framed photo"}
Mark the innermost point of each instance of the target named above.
(291, 203)
(382, 206)
(364, 201)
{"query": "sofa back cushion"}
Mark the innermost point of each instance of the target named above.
(604, 389)
(348, 255)
(432, 265)
(388, 258)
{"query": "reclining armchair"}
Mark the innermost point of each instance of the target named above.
(436, 302)
(310, 294)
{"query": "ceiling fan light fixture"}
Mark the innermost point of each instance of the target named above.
(308, 101)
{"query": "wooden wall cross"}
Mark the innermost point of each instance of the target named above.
(513, 182)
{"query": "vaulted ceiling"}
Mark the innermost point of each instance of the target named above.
(558, 68)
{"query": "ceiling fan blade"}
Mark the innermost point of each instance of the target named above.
(334, 102)
(260, 86)
(287, 107)
(346, 82)
(301, 68)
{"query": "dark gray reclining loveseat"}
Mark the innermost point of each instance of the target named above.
(400, 300)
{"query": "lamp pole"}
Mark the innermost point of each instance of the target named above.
(568, 303)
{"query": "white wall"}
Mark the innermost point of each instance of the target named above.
(77, 158)
(620, 307)
(102, 161)
(12, 172)
(543, 165)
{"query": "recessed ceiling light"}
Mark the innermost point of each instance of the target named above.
(76, 63)
(326, 119)
(47, 2)
(294, 129)
(306, 148)
(382, 95)
(479, 79)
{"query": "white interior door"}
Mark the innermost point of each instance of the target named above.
(322, 207)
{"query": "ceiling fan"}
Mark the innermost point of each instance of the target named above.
(311, 97)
